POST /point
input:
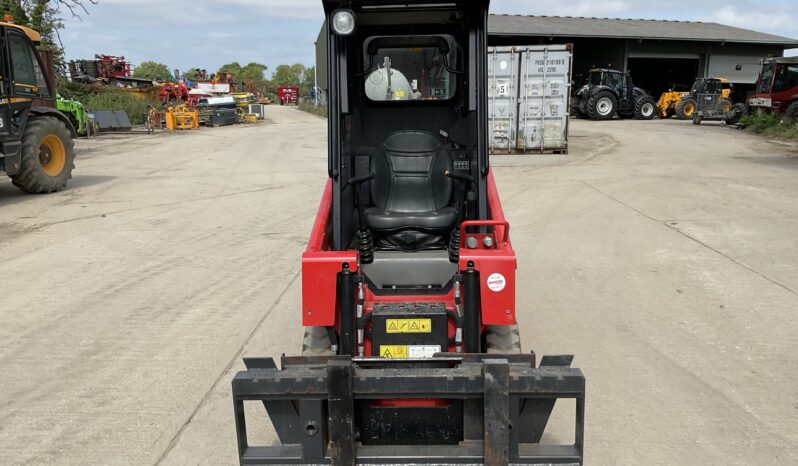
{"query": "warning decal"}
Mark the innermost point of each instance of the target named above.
(409, 351)
(393, 351)
(408, 326)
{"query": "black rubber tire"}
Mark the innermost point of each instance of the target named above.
(583, 107)
(738, 111)
(502, 339)
(31, 177)
(792, 111)
(576, 110)
(642, 109)
(592, 106)
(727, 103)
(680, 112)
(316, 342)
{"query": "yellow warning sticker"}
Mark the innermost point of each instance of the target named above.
(408, 325)
(393, 351)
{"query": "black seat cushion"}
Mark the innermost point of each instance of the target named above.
(410, 190)
(378, 219)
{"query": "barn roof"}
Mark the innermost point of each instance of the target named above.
(617, 28)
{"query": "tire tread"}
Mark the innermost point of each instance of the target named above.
(31, 178)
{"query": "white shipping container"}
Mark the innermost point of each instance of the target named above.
(528, 98)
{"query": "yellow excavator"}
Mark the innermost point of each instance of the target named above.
(683, 104)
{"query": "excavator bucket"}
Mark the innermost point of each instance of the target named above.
(503, 403)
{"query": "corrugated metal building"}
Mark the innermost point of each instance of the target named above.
(660, 54)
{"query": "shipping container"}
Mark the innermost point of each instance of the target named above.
(528, 98)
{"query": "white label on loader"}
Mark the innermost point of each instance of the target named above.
(419, 351)
(496, 282)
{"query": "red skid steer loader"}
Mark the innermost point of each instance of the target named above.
(411, 351)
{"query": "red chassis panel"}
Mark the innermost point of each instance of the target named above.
(320, 267)
(496, 266)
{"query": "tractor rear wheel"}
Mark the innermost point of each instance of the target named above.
(792, 111)
(738, 110)
(47, 158)
(502, 339)
(576, 110)
(645, 108)
(602, 106)
(685, 108)
(316, 342)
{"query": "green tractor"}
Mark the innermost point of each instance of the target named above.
(36, 140)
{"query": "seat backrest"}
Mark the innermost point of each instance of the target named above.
(409, 170)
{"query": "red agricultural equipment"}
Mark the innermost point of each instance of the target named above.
(106, 69)
(109, 67)
(174, 92)
(411, 353)
(777, 87)
(288, 95)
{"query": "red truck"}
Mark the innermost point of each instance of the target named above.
(777, 88)
(288, 95)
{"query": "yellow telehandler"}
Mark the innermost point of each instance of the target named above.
(683, 104)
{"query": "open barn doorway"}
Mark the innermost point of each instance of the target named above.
(658, 75)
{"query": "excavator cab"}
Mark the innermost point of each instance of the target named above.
(411, 352)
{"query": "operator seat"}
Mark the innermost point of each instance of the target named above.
(410, 193)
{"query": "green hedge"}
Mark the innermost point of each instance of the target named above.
(100, 97)
(771, 124)
(307, 106)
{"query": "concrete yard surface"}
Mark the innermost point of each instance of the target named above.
(662, 254)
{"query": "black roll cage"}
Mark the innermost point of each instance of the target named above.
(343, 73)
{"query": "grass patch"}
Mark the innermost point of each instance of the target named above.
(772, 125)
(100, 97)
(306, 106)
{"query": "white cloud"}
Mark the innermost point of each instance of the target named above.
(763, 20)
(223, 35)
(560, 8)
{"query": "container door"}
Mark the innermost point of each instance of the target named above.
(545, 92)
(503, 63)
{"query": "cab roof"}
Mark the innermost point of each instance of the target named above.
(32, 35)
(781, 60)
(330, 5)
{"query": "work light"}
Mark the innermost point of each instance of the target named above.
(343, 22)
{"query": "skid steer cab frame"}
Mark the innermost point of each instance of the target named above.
(411, 352)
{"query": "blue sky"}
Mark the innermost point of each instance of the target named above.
(207, 34)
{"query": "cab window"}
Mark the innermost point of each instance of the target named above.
(765, 79)
(615, 81)
(27, 74)
(786, 77)
(412, 73)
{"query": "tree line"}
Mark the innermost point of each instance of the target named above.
(251, 74)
